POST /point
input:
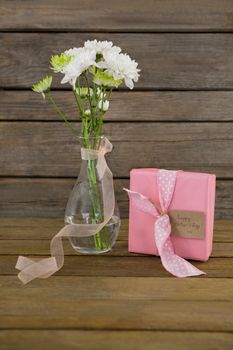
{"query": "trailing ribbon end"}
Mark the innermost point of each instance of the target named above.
(31, 269)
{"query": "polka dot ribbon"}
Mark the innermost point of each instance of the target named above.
(173, 263)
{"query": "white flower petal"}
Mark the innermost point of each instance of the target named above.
(129, 83)
(65, 79)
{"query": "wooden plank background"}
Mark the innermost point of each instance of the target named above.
(180, 114)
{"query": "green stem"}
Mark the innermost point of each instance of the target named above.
(82, 115)
(95, 200)
(94, 191)
(96, 100)
(89, 127)
(100, 128)
(90, 101)
(109, 94)
(96, 205)
(79, 104)
(61, 114)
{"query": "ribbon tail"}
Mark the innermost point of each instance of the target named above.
(43, 268)
(185, 268)
(35, 269)
(173, 263)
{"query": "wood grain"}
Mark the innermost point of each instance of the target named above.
(120, 16)
(41, 247)
(117, 314)
(132, 266)
(119, 288)
(49, 149)
(110, 291)
(44, 229)
(125, 106)
(36, 197)
(167, 61)
(124, 340)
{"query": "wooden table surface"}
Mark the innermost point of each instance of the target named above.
(113, 301)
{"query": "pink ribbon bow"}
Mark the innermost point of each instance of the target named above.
(173, 263)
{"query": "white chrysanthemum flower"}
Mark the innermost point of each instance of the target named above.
(100, 46)
(43, 86)
(83, 59)
(121, 66)
(104, 106)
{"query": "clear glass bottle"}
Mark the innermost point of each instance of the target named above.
(85, 206)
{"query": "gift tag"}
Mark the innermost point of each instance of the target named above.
(187, 224)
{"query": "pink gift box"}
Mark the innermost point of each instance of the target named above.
(194, 192)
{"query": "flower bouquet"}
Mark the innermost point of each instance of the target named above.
(93, 71)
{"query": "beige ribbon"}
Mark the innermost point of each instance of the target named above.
(43, 268)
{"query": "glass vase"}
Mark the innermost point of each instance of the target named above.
(85, 206)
